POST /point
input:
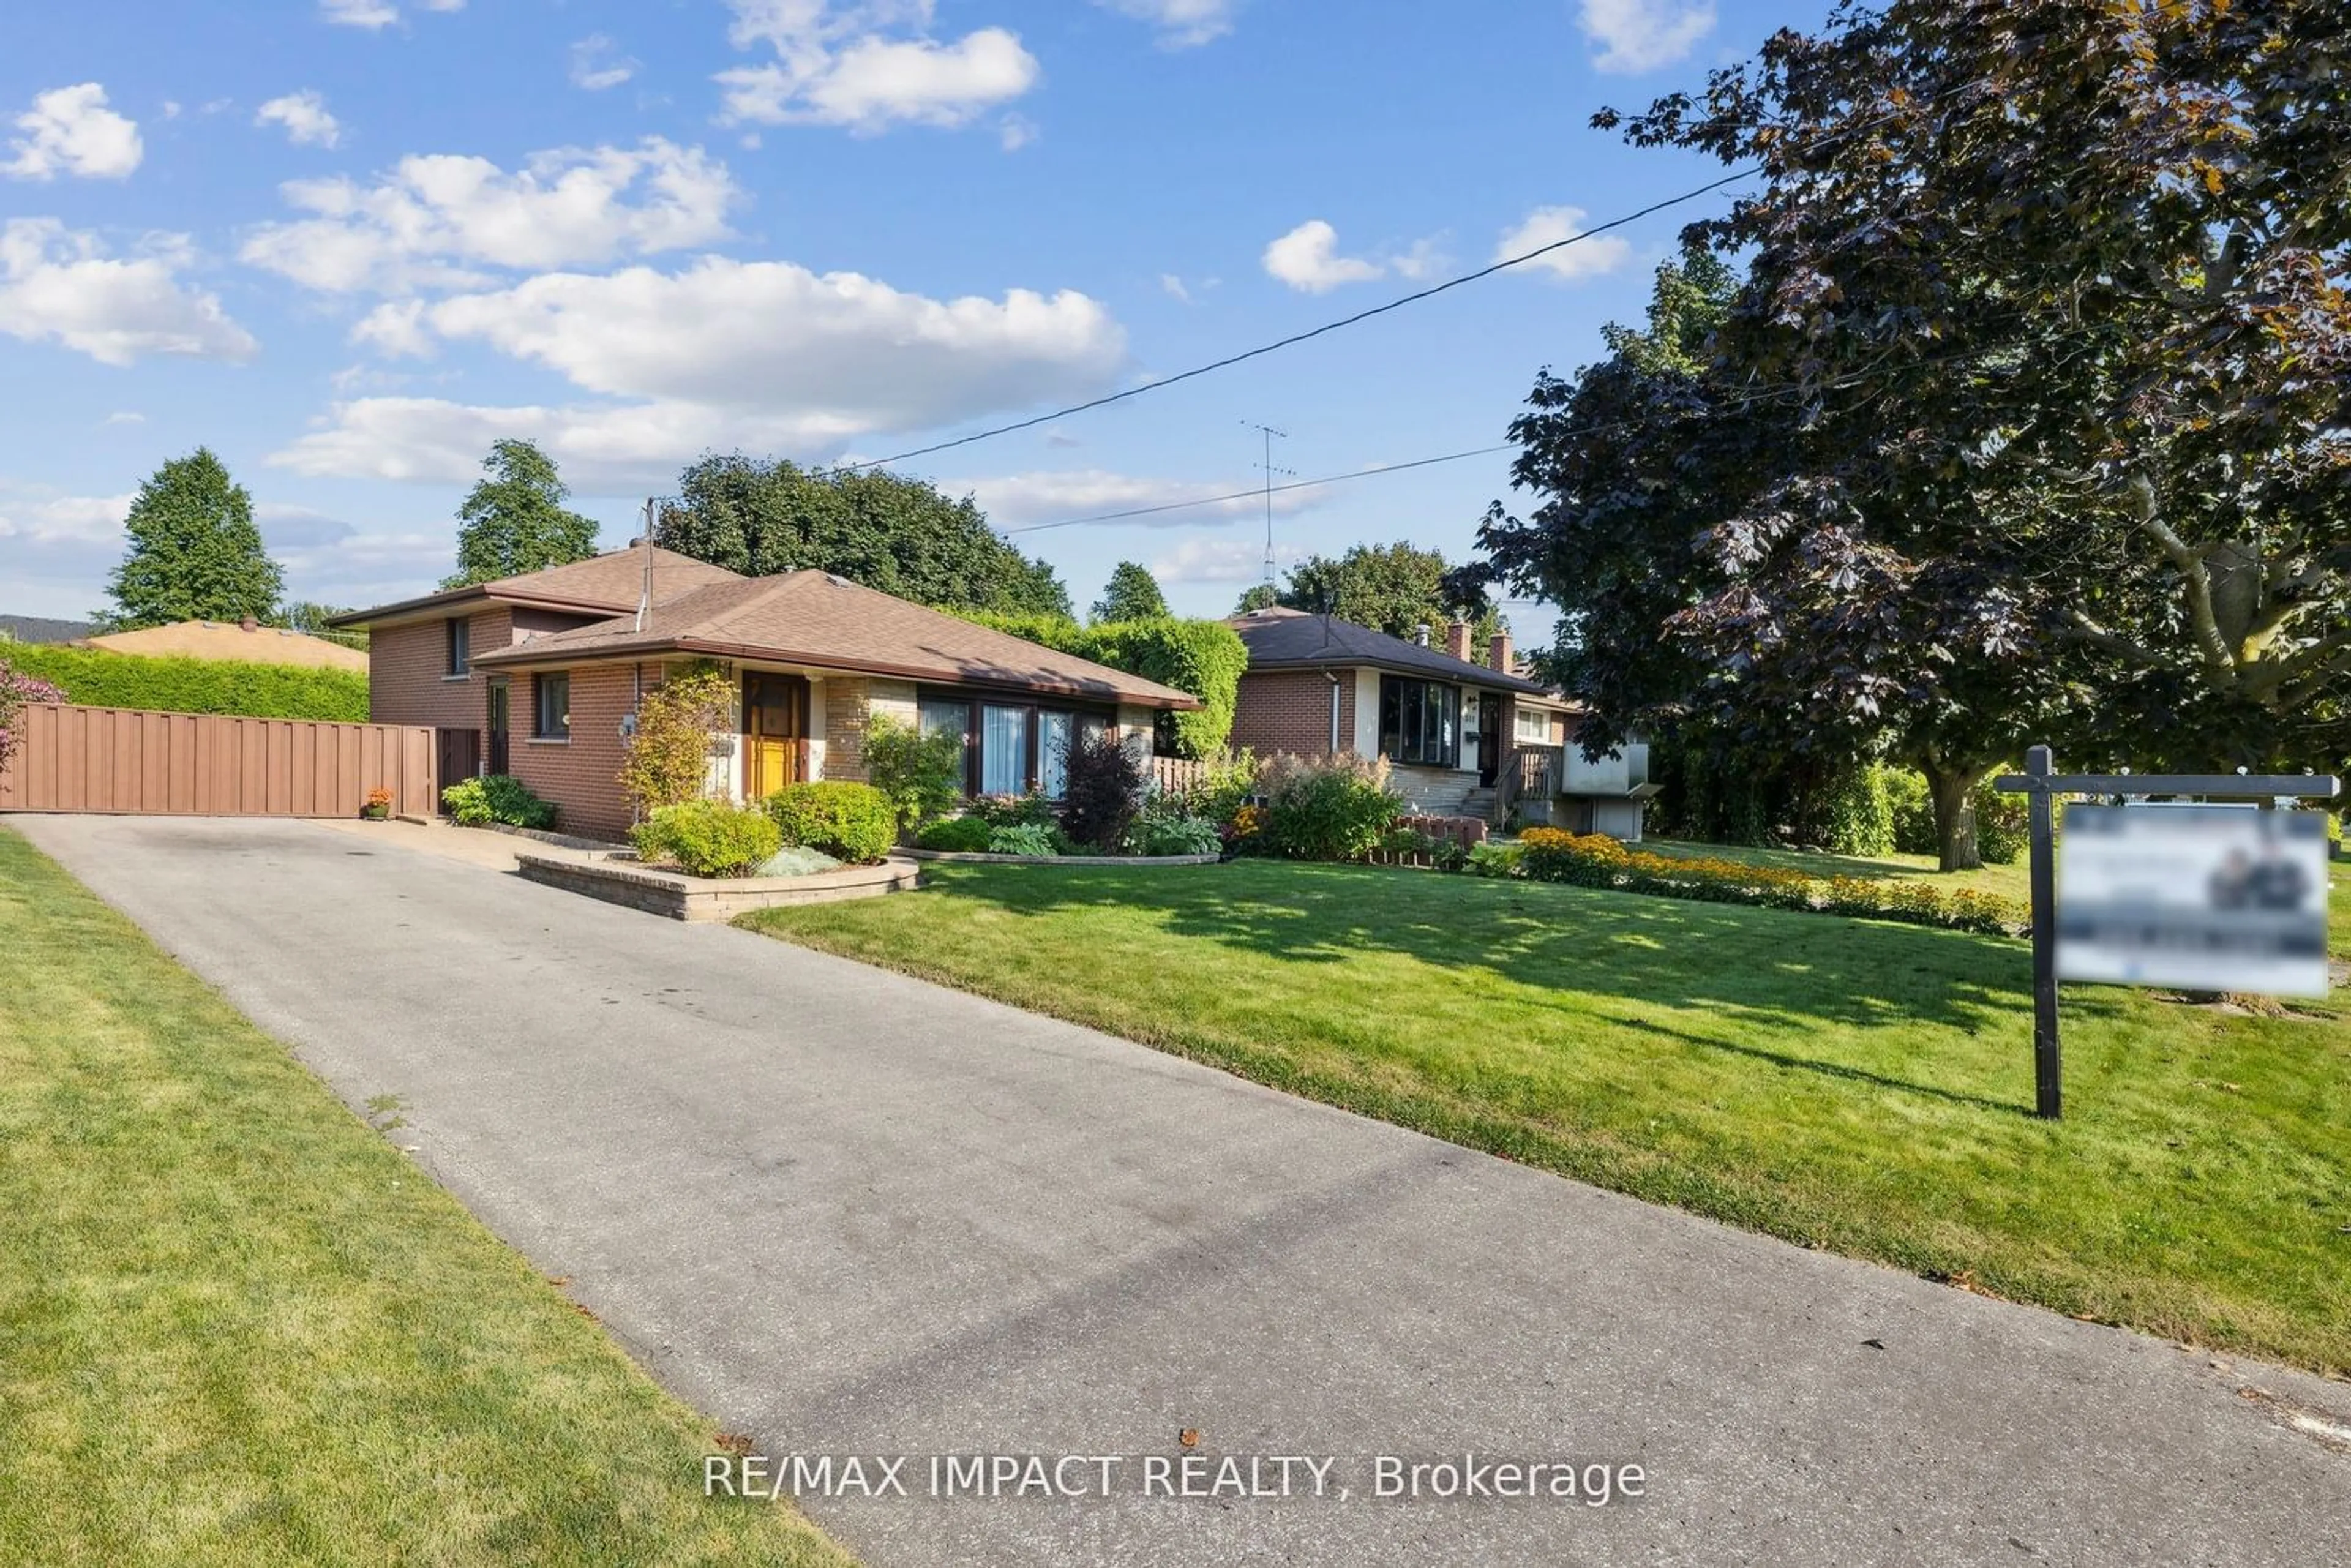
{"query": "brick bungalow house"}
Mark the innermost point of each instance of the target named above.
(1449, 726)
(537, 675)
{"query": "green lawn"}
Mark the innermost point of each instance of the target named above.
(1857, 1085)
(236, 1326)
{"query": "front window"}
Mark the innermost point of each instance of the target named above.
(1535, 726)
(1003, 751)
(461, 647)
(1420, 722)
(554, 701)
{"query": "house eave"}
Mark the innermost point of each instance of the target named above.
(524, 655)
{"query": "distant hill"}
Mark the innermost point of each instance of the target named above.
(40, 629)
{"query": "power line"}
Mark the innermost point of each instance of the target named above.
(1297, 337)
(1397, 304)
(1754, 396)
(1251, 494)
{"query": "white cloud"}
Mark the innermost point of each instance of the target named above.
(772, 336)
(61, 285)
(304, 115)
(1423, 259)
(375, 14)
(763, 355)
(125, 416)
(1182, 23)
(436, 220)
(1220, 560)
(597, 64)
(69, 131)
(1308, 258)
(1016, 132)
(1550, 225)
(64, 521)
(1173, 287)
(604, 449)
(839, 64)
(1641, 35)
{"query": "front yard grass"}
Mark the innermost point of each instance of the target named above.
(236, 1326)
(1850, 1084)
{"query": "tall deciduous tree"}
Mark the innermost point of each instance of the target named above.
(1256, 596)
(515, 520)
(1396, 589)
(1131, 594)
(2064, 289)
(194, 552)
(884, 530)
(2029, 419)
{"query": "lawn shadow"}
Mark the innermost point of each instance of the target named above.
(1778, 967)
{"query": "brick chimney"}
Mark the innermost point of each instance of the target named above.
(1456, 639)
(1501, 654)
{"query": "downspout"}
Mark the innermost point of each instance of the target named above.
(1332, 676)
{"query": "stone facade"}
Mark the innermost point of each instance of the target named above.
(848, 702)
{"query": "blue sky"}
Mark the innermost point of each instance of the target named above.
(349, 243)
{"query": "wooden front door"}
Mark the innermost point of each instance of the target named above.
(501, 723)
(774, 733)
(1490, 738)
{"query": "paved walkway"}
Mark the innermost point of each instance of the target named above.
(847, 1212)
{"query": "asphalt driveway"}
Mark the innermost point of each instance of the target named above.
(851, 1213)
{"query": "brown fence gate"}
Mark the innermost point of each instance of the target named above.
(123, 761)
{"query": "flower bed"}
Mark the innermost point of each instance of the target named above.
(1552, 854)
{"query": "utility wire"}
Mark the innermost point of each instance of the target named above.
(1754, 396)
(1397, 304)
(1297, 337)
(1255, 494)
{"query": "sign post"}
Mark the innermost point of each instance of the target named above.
(2042, 784)
(2048, 1060)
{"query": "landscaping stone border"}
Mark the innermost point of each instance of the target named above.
(700, 899)
(978, 859)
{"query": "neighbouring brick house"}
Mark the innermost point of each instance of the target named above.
(1448, 725)
(537, 675)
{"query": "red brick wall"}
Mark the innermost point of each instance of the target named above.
(1289, 710)
(406, 665)
(580, 775)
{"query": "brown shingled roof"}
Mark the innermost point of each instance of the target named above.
(613, 580)
(246, 643)
(815, 619)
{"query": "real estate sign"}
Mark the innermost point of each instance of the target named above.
(2206, 898)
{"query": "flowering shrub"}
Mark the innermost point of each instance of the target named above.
(1552, 854)
(1327, 808)
(1245, 834)
(18, 692)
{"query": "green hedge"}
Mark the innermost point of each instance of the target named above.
(1205, 658)
(95, 678)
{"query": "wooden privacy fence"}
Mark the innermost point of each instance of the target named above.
(1175, 774)
(124, 761)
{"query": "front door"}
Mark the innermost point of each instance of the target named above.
(1489, 737)
(501, 721)
(774, 733)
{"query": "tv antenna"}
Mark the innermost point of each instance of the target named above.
(1271, 473)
